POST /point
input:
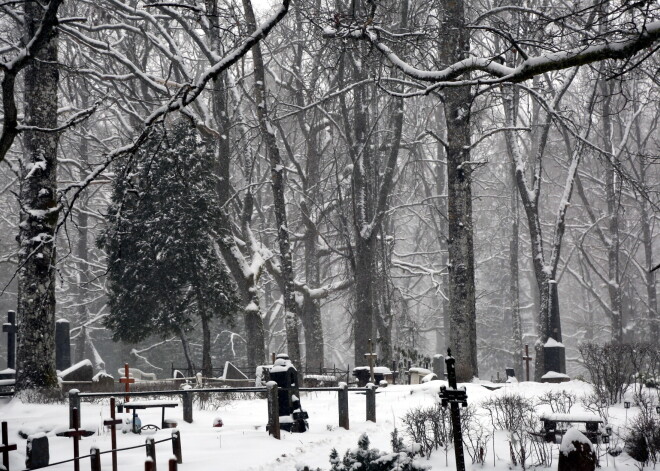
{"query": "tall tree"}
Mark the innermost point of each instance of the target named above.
(39, 208)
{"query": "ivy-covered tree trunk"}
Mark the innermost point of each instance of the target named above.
(39, 214)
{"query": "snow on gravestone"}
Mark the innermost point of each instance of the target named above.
(576, 453)
(81, 371)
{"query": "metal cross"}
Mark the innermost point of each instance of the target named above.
(454, 396)
(76, 433)
(112, 423)
(6, 447)
(127, 380)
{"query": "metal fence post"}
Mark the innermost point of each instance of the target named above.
(176, 446)
(95, 458)
(151, 451)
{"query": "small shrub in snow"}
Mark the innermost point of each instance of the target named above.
(372, 459)
(643, 440)
(430, 427)
(560, 402)
(475, 435)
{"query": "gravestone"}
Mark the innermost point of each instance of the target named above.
(231, 372)
(81, 371)
(292, 417)
(555, 356)
(439, 366)
(576, 453)
(62, 345)
(510, 373)
(10, 328)
(37, 454)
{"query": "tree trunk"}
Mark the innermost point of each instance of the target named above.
(207, 363)
(185, 345)
(36, 277)
(454, 46)
(279, 202)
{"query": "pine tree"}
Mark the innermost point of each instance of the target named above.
(162, 268)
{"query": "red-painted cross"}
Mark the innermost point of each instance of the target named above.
(5, 447)
(112, 423)
(127, 380)
(76, 433)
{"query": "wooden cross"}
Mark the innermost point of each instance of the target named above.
(112, 423)
(371, 356)
(127, 380)
(10, 328)
(76, 433)
(527, 359)
(5, 447)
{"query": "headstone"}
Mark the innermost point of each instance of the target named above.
(292, 417)
(439, 366)
(231, 372)
(62, 345)
(37, 454)
(576, 452)
(103, 382)
(555, 356)
(10, 328)
(510, 373)
(82, 371)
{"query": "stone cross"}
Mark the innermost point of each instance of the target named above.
(453, 396)
(371, 356)
(127, 380)
(5, 447)
(526, 358)
(76, 433)
(10, 328)
(112, 423)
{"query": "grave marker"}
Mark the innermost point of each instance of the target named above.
(127, 380)
(439, 366)
(10, 328)
(5, 446)
(62, 345)
(37, 453)
(453, 396)
(76, 433)
(112, 422)
(371, 356)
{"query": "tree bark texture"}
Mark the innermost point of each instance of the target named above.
(279, 202)
(454, 46)
(38, 215)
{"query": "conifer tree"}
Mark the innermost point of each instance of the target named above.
(163, 271)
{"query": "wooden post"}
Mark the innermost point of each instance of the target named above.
(273, 410)
(112, 422)
(172, 465)
(371, 402)
(272, 358)
(527, 359)
(95, 458)
(342, 402)
(149, 464)
(187, 400)
(151, 450)
(5, 447)
(74, 404)
(176, 446)
(127, 381)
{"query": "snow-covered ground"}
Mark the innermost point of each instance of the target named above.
(243, 444)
